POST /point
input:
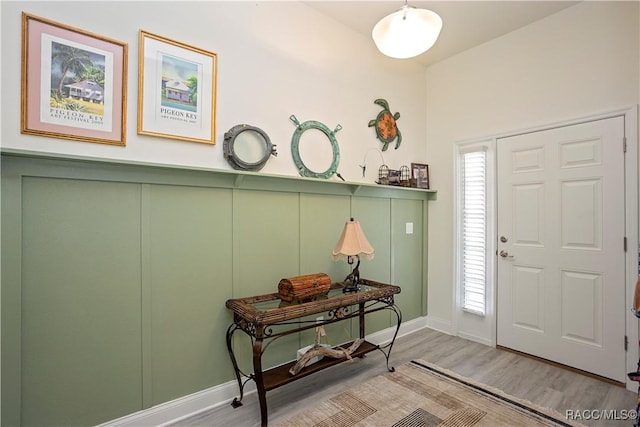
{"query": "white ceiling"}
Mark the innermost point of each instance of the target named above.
(465, 23)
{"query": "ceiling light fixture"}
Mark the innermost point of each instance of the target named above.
(407, 32)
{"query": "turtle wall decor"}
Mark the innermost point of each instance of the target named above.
(386, 125)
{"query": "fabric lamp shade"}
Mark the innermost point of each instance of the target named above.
(352, 242)
(407, 32)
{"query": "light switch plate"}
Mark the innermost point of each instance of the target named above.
(409, 227)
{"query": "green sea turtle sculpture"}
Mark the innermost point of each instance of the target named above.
(386, 125)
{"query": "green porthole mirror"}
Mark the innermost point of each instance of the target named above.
(328, 165)
(247, 147)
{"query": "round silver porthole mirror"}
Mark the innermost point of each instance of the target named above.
(247, 147)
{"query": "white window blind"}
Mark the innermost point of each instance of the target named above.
(474, 230)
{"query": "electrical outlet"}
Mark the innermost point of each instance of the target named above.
(409, 227)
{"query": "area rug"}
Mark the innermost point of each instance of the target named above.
(421, 394)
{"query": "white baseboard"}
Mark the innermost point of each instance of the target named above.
(182, 407)
(190, 405)
(384, 336)
(440, 325)
(475, 338)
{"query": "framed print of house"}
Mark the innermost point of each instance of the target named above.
(176, 90)
(73, 83)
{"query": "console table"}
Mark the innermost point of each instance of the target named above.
(257, 316)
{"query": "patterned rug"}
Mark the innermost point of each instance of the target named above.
(422, 394)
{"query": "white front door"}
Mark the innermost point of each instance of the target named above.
(561, 228)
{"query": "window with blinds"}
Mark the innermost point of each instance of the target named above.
(473, 230)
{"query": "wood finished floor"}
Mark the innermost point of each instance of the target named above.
(541, 383)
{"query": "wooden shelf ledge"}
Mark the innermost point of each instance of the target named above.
(279, 376)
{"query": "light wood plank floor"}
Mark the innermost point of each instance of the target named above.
(541, 383)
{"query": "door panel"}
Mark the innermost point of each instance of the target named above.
(582, 290)
(561, 270)
(528, 302)
(528, 214)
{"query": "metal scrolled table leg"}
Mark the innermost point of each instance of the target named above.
(236, 401)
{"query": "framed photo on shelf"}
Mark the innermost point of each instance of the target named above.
(176, 90)
(420, 175)
(73, 83)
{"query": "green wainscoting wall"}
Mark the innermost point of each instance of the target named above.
(115, 275)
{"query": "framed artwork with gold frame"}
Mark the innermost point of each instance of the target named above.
(176, 90)
(74, 83)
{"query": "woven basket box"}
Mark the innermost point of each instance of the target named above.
(303, 287)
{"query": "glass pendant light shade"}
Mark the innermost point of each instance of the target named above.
(407, 32)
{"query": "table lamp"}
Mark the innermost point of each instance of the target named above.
(352, 243)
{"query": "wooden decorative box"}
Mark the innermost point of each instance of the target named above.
(301, 288)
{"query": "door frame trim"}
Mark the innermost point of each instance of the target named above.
(632, 217)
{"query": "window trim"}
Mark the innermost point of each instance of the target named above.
(465, 286)
(461, 148)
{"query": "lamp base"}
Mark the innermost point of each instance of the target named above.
(352, 281)
(350, 287)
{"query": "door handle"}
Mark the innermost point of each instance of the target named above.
(505, 254)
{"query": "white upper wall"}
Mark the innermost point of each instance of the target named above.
(579, 62)
(281, 58)
(275, 59)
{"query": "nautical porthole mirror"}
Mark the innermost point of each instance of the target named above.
(247, 147)
(318, 132)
